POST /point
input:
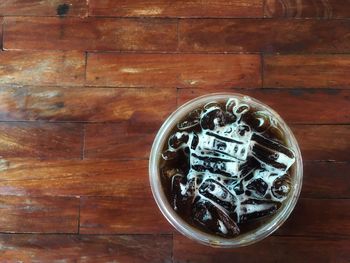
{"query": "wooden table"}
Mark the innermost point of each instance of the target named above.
(84, 88)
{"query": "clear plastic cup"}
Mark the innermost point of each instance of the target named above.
(274, 222)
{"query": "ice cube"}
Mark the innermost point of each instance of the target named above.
(218, 194)
(211, 118)
(178, 139)
(213, 219)
(191, 120)
(259, 121)
(281, 186)
(252, 209)
(169, 155)
(271, 153)
(258, 186)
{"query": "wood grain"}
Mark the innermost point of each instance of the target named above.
(326, 180)
(20, 214)
(182, 8)
(119, 141)
(122, 178)
(272, 249)
(318, 217)
(310, 71)
(137, 107)
(317, 106)
(132, 214)
(173, 70)
(86, 84)
(74, 177)
(323, 142)
(40, 140)
(268, 35)
(73, 248)
(89, 34)
(307, 9)
(312, 217)
(42, 67)
(1, 27)
(43, 8)
(317, 142)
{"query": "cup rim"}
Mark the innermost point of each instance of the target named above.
(192, 232)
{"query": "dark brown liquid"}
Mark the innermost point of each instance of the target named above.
(218, 201)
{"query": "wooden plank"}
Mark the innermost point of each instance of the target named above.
(74, 248)
(135, 106)
(73, 177)
(43, 8)
(326, 180)
(138, 215)
(20, 214)
(104, 215)
(119, 140)
(123, 178)
(54, 33)
(42, 67)
(268, 35)
(40, 140)
(318, 217)
(310, 71)
(174, 70)
(272, 249)
(182, 8)
(323, 142)
(317, 106)
(1, 33)
(307, 9)
(317, 142)
(132, 214)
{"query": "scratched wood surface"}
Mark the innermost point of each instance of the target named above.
(86, 84)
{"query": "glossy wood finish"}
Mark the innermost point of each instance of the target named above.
(20, 214)
(264, 35)
(79, 104)
(132, 142)
(100, 215)
(316, 106)
(324, 142)
(311, 217)
(117, 178)
(311, 71)
(273, 249)
(173, 70)
(82, 248)
(41, 140)
(181, 8)
(85, 86)
(89, 34)
(121, 178)
(42, 67)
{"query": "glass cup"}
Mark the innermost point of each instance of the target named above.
(250, 237)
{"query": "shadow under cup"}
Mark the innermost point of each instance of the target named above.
(270, 224)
